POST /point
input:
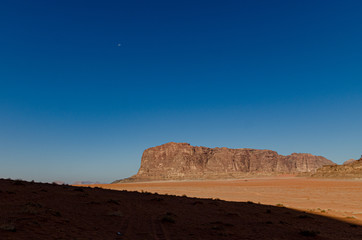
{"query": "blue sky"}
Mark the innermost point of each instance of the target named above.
(86, 86)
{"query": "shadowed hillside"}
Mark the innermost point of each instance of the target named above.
(47, 211)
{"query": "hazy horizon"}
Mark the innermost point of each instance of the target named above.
(87, 86)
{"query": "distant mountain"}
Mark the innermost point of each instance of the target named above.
(85, 183)
(352, 169)
(349, 161)
(173, 161)
(59, 182)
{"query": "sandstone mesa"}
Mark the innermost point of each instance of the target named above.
(181, 161)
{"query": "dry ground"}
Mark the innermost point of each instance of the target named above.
(335, 198)
(46, 211)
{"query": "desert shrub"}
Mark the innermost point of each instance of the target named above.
(113, 201)
(232, 214)
(158, 199)
(279, 205)
(168, 219)
(8, 227)
(78, 189)
(116, 214)
(217, 228)
(217, 222)
(53, 212)
(18, 182)
(33, 204)
(308, 233)
(56, 213)
(31, 208)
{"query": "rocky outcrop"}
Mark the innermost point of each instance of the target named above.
(183, 161)
(349, 161)
(352, 169)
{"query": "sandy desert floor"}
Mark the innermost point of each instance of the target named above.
(30, 210)
(336, 198)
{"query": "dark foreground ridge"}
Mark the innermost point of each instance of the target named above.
(180, 161)
(49, 211)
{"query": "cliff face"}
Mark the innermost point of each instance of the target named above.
(353, 169)
(183, 161)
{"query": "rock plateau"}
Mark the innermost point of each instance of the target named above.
(180, 161)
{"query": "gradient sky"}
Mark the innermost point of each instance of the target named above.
(86, 86)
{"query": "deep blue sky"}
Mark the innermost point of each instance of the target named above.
(86, 86)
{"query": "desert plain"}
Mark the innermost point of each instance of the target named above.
(260, 208)
(336, 198)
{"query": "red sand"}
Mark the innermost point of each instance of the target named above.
(336, 198)
(47, 211)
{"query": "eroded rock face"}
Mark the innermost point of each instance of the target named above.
(183, 161)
